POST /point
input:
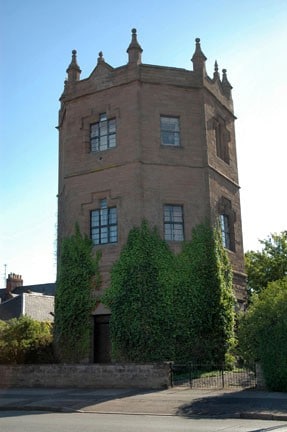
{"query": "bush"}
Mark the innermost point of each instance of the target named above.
(24, 340)
(263, 334)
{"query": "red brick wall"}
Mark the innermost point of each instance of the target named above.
(140, 175)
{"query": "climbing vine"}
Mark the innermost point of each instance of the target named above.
(140, 298)
(168, 307)
(205, 301)
(78, 275)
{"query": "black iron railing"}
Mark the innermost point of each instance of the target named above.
(206, 376)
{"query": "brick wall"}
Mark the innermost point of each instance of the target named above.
(153, 376)
(140, 175)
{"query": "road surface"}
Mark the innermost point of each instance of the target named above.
(26, 421)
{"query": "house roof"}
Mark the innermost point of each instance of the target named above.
(46, 289)
(36, 305)
(11, 308)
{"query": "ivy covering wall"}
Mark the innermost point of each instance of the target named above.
(168, 307)
(140, 299)
(78, 275)
(204, 299)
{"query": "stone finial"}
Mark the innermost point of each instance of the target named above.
(134, 50)
(74, 70)
(198, 58)
(101, 58)
(227, 87)
(216, 75)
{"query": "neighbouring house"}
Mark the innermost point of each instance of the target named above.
(36, 301)
(143, 141)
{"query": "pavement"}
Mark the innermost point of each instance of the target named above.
(180, 401)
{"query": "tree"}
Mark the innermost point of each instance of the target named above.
(267, 265)
(263, 333)
(140, 298)
(24, 340)
(205, 298)
(78, 275)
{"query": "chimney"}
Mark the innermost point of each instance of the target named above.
(13, 281)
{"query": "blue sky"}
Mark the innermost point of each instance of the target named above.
(248, 38)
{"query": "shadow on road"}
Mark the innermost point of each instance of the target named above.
(234, 405)
(16, 402)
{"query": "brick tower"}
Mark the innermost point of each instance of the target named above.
(142, 141)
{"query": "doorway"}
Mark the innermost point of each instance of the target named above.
(102, 341)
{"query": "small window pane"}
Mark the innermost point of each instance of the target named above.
(112, 141)
(103, 129)
(167, 137)
(93, 145)
(176, 139)
(177, 214)
(112, 126)
(104, 203)
(170, 124)
(104, 141)
(94, 130)
(168, 232)
(167, 213)
(178, 234)
(103, 117)
(95, 218)
(113, 234)
(104, 235)
(104, 217)
(112, 216)
(96, 235)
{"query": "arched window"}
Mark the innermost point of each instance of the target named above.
(222, 138)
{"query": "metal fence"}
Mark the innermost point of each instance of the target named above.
(200, 376)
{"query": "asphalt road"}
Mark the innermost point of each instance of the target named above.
(19, 421)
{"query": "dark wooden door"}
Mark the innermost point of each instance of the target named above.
(102, 342)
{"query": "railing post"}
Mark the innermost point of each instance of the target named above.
(171, 374)
(190, 374)
(222, 375)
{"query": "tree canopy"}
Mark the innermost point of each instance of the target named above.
(24, 340)
(263, 333)
(267, 265)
